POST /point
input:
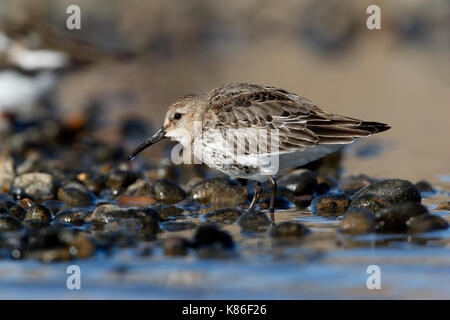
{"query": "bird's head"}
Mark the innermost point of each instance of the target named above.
(178, 123)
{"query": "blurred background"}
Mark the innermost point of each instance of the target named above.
(114, 78)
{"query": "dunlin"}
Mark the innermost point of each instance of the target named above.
(299, 131)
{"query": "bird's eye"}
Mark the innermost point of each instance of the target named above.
(177, 116)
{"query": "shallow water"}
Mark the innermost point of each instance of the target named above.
(324, 265)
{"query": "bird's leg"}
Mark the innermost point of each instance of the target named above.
(273, 187)
(257, 194)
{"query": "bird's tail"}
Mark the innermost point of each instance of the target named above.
(373, 127)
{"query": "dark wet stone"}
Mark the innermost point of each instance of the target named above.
(131, 227)
(350, 184)
(254, 221)
(54, 205)
(330, 204)
(220, 192)
(280, 203)
(39, 212)
(424, 186)
(107, 212)
(358, 221)
(93, 181)
(118, 179)
(426, 223)
(76, 194)
(5, 206)
(139, 188)
(168, 191)
(167, 212)
(281, 192)
(392, 191)
(177, 226)
(209, 235)
(396, 217)
(289, 230)
(223, 215)
(370, 202)
(176, 246)
(299, 181)
(37, 186)
(303, 201)
(443, 206)
(8, 223)
(73, 216)
(17, 212)
(150, 222)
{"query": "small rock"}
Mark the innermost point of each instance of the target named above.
(220, 192)
(289, 230)
(370, 202)
(330, 204)
(107, 212)
(168, 191)
(168, 212)
(39, 212)
(177, 226)
(424, 186)
(444, 206)
(76, 194)
(73, 216)
(358, 221)
(425, 223)
(117, 179)
(17, 212)
(37, 186)
(135, 201)
(254, 221)
(209, 235)
(392, 191)
(8, 223)
(396, 217)
(139, 188)
(26, 203)
(176, 246)
(93, 181)
(299, 181)
(223, 215)
(350, 184)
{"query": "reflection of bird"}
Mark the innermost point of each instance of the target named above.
(270, 130)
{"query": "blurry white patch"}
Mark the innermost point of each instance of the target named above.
(38, 59)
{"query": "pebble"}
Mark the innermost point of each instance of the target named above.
(76, 194)
(396, 217)
(220, 192)
(168, 192)
(39, 212)
(358, 221)
(168, 212)
(223, 215)
(135, 201)
(210, 235)
(254, 221)
(176, 246)
(289, 230)
(17, 212)
(392, 191)
(37, 186)
(370, 202)
(139, 188)
(299, 181)
(118, 179)
(350, 184)
(330, 204)
(424, 186)
(426, 223)
(8, 223)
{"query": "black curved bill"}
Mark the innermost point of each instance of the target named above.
(159, 135)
